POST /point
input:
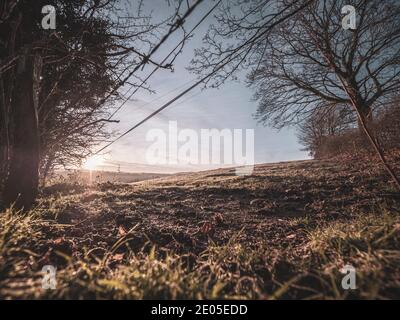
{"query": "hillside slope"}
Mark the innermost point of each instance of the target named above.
(283, 232)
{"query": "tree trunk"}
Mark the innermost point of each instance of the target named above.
(366, 114)
(21, 184)
(4, 141)
(364, 123)
(366, 128)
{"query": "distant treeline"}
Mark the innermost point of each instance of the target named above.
(335, 132)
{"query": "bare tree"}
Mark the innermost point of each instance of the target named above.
(242, 30)
(56, 86)
(310, 60)
(323, 124)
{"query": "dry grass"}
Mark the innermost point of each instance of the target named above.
(282, 233)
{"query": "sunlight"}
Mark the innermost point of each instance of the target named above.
(93, 162)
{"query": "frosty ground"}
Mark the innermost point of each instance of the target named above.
(283, 232)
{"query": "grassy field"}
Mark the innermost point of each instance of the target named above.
(282, 233)
(96, 176)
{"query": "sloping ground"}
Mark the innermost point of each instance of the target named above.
(96, 176)
(283, 232)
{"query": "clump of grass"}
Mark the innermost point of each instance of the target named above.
(19, 233)
(308, 269)
(219, 272)
(373, 231)
(141, 276)
(162, 274)
(18, 230)
(370, 243)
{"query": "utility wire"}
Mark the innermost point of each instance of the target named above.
(178, 23)
(165, 59)
(165, 105)
(225, 61)
(158, 110)
(140, 107)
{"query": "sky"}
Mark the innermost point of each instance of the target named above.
(228, 107)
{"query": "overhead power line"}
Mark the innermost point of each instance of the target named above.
(140, 107)
(225, 61)
(166, 58)
(164, 106)
(175, 26)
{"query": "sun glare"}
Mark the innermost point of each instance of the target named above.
(93, 162)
